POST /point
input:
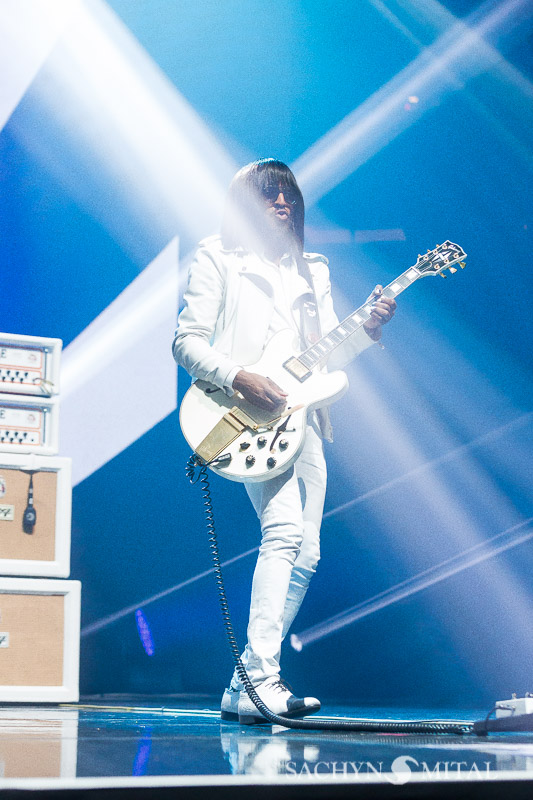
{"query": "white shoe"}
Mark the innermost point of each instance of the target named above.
(229, 707)
(278, 699)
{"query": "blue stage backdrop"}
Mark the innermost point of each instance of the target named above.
(406, 124)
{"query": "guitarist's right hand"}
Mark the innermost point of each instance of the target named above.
(259, 390)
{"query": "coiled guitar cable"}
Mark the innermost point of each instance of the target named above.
(377, 726)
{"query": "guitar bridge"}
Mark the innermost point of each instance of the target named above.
(227, 429)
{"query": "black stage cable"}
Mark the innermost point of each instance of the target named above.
(386, 726)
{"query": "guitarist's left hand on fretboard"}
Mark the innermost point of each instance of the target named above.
(383, 309)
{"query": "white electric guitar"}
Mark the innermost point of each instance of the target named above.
(242, 442)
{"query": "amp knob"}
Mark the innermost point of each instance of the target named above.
(250, 461)
(271, 462)
(261, 442)
(283, 444)
(244, 445)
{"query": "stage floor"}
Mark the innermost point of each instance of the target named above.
(180, 741)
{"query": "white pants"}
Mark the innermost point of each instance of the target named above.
(290, 509)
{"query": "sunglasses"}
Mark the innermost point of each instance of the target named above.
(272, 192)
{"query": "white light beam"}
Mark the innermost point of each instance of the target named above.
(457, 56)
(490, 548)
(29, 30)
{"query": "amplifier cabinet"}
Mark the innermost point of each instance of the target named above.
(29, 424)
(39, 640)
(29, 364)
(43, 549)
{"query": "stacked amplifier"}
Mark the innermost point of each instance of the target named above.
(39, 615)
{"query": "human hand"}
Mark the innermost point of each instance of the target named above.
(383, 309)
(259, 390)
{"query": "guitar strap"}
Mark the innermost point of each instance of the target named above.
(310, 333)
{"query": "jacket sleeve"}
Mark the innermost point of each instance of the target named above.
(357, 342)
(192, 347)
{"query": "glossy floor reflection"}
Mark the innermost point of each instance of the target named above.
(119, 736)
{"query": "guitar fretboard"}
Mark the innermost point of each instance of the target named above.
(321, 349)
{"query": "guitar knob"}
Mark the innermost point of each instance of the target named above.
(271, 462)
(250, 461)
(261, 442)
(244, 445)
(283, 444)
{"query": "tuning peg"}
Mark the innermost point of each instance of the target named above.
(452, 269)
(462, 264)
(429, 251)
(442, 274)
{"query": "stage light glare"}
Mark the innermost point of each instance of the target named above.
(145, 634)
(28, 33)
(503, 541)
(489, 438)
(134, 153)
(423, 422)
(296, 643)
(458, 55)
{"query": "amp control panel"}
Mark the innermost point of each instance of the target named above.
(29, 365)
(29, 425)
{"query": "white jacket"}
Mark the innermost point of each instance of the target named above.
(229, 302)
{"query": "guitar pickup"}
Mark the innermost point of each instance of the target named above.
(297, 369)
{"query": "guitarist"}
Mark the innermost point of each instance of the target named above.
(244, 286)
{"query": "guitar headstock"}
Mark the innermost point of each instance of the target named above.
(443, 257)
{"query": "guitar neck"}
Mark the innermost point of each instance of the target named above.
(321, 349)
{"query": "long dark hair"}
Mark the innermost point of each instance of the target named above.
(244, 217)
